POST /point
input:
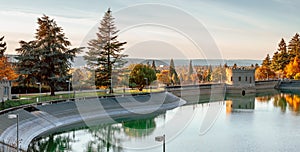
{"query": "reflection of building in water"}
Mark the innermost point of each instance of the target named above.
(240, 80)
(236, 102)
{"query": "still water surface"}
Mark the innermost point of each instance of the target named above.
(258, 122)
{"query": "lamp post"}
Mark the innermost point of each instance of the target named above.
(40, 88)
(68, 88)
(13, 116)
(161, 139)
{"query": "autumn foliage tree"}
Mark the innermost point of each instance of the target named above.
(292, 70)
(163, 77)
(265, 71)
(6, 70)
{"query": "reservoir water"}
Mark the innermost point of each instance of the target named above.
(266, 121)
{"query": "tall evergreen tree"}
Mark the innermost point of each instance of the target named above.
(191, 70)
(267, 61)
(105, 52)
(154, 67)
(2, 47)
(280, 58)
(47, 59)
(294, 47)
(173, 74)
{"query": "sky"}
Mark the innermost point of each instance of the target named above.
(229, 29)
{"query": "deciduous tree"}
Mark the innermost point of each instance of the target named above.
(142, 75)
(6, 70)
(293, 68)
(163, 77)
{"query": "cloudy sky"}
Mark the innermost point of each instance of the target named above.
(231, 29)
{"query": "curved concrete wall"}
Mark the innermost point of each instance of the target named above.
(55, 116)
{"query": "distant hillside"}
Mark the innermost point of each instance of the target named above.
(79, 62)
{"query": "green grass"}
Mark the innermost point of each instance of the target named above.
(25, 99)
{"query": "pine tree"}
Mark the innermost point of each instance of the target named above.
(267, 61)
(47, 59)
(154, 67)
(105, 52)
(2, 47)
(294, 47)
(280, 58)
(275, 62)
(172, 72)
(191, 70)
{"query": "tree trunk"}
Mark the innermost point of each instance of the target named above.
(141, 88)
(52, 90)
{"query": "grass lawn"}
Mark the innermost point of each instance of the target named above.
(25, 99)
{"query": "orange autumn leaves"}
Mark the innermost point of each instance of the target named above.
(292, 70)
(293, 101)
(6, 70)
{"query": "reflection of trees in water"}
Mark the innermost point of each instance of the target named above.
(53, 143)
(105, 138)
(139, 128)
(280, 101)
(294, 101)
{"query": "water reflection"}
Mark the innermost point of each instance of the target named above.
(238, 103)
(104, 138)
(101, 138)
(283, 100)
(113, 137)
(53, 143)
(280, 101)
(139, 128)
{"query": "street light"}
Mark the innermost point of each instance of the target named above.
(13, 116)
(40, 87)
(68, 88)
(161, 139)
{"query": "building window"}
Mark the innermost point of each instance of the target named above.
(5, 93)
(231, 79)
(246, 78)
(240, 78)
(250, 80)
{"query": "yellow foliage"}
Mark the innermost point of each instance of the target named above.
(292, 68)
(293, 102)
(6, 70)
(163, 77)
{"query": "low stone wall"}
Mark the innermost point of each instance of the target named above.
(266, 84)
(289, 85)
